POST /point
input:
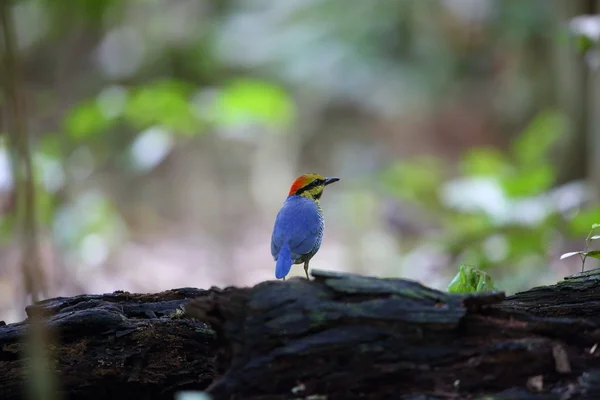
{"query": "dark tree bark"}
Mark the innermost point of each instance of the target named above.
(115, 346)
(347, 336)
(339, 336)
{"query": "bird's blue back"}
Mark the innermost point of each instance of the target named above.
(299, 224)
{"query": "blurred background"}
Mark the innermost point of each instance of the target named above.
(148, 145)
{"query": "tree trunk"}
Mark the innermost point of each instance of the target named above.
(339, 336)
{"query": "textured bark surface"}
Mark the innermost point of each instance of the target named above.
(347, 336)
(339, 336)
(115, 346)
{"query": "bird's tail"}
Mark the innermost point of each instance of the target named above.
(284, 262)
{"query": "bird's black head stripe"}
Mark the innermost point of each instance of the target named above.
(312, 185)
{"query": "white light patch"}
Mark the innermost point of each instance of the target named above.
(586, 25)
(151, 147)
(6, 178)
(496, 248)
(94, 250)
(121, 53)
(189, 395)
(476, 194)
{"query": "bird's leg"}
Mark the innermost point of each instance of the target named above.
(306, 269)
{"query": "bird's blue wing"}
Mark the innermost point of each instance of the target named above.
(305, 234)
(298, 223)
(276, 241)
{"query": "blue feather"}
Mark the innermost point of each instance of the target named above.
(297, 233)
(284, 262)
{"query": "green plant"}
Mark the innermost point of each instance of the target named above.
(584, 254)
(471, 280)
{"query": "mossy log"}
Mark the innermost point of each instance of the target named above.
(339, 336)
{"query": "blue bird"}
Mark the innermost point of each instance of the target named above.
(299, 225)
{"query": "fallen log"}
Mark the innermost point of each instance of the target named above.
(346, 336)
(339, 336)
(115, 346)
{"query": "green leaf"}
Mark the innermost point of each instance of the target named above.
(470, 279)
(86, 121)
(484, 162)
(163, 103)
(584, 43)
(593, 254)
(248, 101)
(484, 283)
(529, 182)
(531, 148)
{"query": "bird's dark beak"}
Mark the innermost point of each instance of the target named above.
(330, 180)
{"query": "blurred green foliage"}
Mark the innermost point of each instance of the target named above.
(171, 105)
(527, 169)
(190, 82)
(165, 103)
(496, 210)
(247, 101)
(86, 120)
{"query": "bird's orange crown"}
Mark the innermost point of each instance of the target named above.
(302, 181)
